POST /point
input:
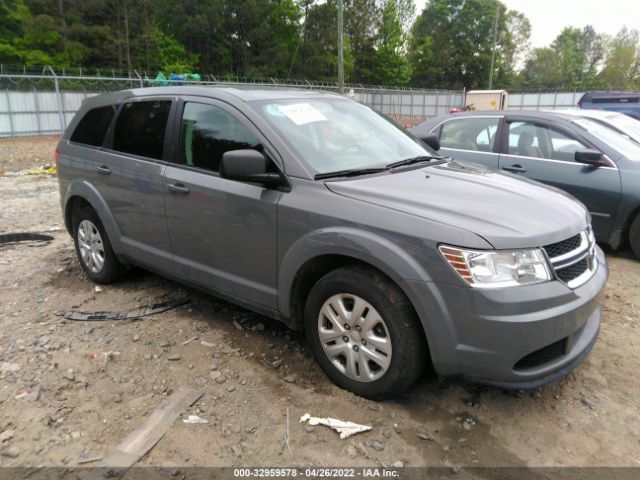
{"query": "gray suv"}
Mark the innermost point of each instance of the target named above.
(314, 210)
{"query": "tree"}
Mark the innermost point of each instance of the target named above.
(518, 30)
(264, 36)
(202, 26)
(451, 44)
(320, 48)
(392, 67)
(622, 65)
(362, 20)
(406, 13)
(542, 70)
(571, 62)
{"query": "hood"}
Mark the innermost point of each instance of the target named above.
(507, 211)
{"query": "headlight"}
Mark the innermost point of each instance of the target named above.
(493, 269)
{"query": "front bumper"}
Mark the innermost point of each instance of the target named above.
(518, 337)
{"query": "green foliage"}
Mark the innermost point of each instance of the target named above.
(362, 21)
(571, 62)
(451, 44)
(447, 45)
(392, 66)
(319, 49)
(622, 66)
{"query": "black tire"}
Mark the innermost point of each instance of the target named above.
(634, 235)
(112, 270)
(409, 347)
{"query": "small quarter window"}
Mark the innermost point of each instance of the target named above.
(93, 126)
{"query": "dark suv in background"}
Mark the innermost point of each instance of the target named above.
(623, 102)
(315, 210)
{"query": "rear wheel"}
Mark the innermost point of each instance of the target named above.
(634, 235)
(364, 332)
(93, 248)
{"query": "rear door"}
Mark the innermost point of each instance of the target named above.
(223, 232)
(130, 168)
(471, 139)
(545, 151)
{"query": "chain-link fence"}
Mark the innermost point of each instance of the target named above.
(44, 103)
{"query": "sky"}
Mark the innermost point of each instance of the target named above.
(549, 17)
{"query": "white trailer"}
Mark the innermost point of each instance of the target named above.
(486, 100)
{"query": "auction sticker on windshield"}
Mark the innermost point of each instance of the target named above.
(302, 113)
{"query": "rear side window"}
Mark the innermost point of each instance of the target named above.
(630, 99)
(470, 134)
(140, 128)
(93, 126)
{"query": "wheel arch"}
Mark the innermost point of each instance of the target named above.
(81, 193)
(626, 232)
(315, 255)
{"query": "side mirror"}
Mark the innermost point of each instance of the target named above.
(247, 166)
(432, 140)
(589, 156)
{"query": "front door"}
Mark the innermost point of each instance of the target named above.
(546, 153)
(223, 232)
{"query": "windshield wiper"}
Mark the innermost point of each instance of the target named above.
(412, 160)
(350, 173)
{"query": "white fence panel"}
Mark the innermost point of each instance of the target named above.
(29, 105)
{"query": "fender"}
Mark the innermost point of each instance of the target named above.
(88, 192)
(380, 252)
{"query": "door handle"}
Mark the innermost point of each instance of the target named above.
(178, 188)
(104, 170)
(515, 168)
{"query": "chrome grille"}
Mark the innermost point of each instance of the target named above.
(573, 260)
(565, 246)
(573, 271)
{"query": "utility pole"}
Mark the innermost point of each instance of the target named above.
(493, 51)
(340, 46)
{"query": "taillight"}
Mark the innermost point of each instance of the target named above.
(56, 155)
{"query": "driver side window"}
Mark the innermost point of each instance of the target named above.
(525, 140)
(538, 141)
(207, 132)
(564, 147)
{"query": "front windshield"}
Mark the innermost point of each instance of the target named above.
(612, 138)
(339, 134)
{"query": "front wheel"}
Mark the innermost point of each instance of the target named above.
(364, 332)
(634, 235)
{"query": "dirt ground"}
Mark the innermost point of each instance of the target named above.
(74, 389)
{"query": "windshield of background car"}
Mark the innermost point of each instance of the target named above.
(334, 134)
(630, 126)
(614, 139)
